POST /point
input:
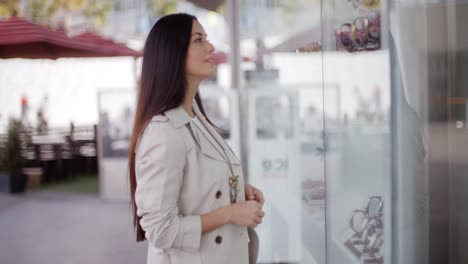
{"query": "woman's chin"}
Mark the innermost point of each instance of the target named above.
(210, 73)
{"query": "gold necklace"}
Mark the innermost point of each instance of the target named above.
(233, 179)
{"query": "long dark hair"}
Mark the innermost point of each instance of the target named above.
(162, 84)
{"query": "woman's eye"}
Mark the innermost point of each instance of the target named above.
(198, 40)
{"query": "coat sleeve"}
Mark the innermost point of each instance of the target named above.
(159, 164)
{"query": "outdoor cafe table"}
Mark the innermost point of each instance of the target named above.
(52, 161)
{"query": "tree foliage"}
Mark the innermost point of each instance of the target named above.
(45, 11)
(8, 8)
(162, 7)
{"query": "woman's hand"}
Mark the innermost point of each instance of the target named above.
(252, 193)
(248, 213)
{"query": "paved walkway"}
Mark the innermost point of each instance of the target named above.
(63, 228)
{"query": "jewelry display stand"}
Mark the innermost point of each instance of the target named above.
(367, 238)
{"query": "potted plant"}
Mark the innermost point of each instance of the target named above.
(11, 157)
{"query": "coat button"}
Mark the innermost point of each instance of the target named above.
(219, 239)
(218, 194)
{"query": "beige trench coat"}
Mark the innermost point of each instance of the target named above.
(180, 176)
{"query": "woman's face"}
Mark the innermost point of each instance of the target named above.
(199, 64)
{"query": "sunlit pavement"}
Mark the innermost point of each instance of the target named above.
(63, 228)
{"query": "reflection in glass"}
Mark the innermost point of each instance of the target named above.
(274, 117)
(428, 72)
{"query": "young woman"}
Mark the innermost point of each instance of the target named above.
(189, 197)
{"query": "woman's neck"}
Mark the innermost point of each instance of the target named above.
(192, 88)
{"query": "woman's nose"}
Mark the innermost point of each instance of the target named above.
(211, 48)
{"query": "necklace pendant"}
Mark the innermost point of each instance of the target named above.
(233, 180)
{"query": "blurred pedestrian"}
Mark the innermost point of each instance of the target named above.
(42, 116)
(24, 111)
(189, 197)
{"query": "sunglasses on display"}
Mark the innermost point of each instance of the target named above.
(364, 33)
(367, 226)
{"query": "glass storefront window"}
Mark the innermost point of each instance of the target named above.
(284, 110)
(357, 159)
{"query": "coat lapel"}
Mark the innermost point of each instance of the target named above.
(210, 143)
(213, 136)
(207, 146)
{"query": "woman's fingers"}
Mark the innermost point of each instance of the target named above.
(252, 193)
(249, 192)
(258, 205)
(259, 211)
(259, 196)
(253, 213)
(258, 220)
(261, 214)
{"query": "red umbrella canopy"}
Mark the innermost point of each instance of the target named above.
(21, 38)
(118, 49)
